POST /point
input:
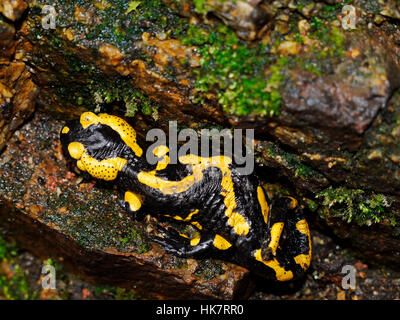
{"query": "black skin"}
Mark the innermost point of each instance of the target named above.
(102, 142)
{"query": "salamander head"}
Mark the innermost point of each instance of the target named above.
(101, 144)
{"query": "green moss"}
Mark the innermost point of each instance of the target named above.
(330, 37)
(201, 6)
(247, 78)
(120, 90)
(291, 162)
(125, 294)
(134, 236)
(311, 205)
(23, 283)
(204, 6)
(235, 71)
(356, 205)
(13, 286)
(327, 50)
(116, 293)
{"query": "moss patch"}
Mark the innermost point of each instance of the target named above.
(13, 279)
(356, 205)
(236, 71)
(291, 162)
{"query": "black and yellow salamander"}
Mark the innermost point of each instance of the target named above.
(234, 219)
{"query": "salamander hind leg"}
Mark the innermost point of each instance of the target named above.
(298, 236)
(288, 247)
(181, 245)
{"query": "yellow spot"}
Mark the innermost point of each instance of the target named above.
(276, 231)
(160, 151)
(188, 218)
(221, 243)
(293, 203)
(126, 132)
(263, 203)
(304, 260)
(106, 169)
(197, 225)
(302, 226)
(134, 200)
(163, 163)
(280, 273)
(65, 130)
(165, 186)
(76, 150)
(195, 241)
(183, 235)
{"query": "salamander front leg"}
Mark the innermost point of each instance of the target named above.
(133, 205)
(181, 245)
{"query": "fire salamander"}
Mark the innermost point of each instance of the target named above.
(231, 213)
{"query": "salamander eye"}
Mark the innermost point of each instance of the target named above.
(65, 130)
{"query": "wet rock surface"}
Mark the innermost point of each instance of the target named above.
(7, 41)
(17, 98)
(18, 92)
(13, 9)
(248, 17)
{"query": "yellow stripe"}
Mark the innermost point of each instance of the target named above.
(196, 224)
(188, 218)
(165, 186)
(106, 169)
(263, 203)
(183, 235)
(304, 260)
(302, 226)
(276, 231)
(161, 151)
(280, 273)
